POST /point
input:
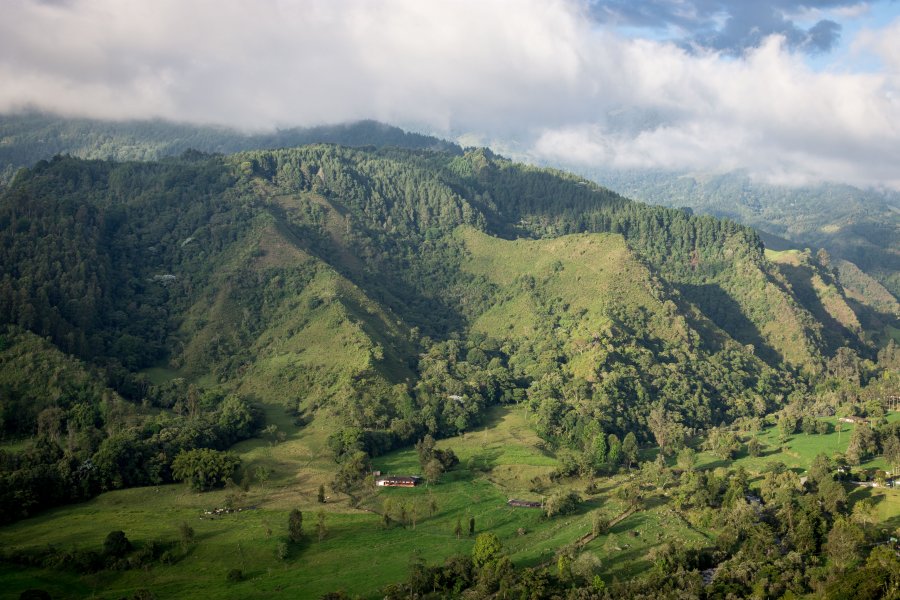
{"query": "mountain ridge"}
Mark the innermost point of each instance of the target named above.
(361, 289)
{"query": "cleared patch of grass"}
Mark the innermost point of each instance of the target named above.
(161, 374)
(798, 451)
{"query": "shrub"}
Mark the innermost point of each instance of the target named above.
(281, 551)
(116, 545)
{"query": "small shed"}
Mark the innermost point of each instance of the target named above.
(522, 503)
(853, 419)
(398, 481)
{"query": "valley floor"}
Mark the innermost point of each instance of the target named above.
(357, 553)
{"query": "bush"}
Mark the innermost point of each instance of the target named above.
(562, 504)
(116, 545)
(281, 551)
(487, 549)
(235, 575)
(186, 534)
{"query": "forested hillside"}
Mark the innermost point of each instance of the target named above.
(389, 294)
(855, 225)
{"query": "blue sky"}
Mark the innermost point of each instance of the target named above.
(877, 15)
(814, 27)
(792, 92)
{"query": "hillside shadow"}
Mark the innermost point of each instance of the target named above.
(491, 418)
(633, 522)
(891, 524)
(656, 501)
(800, 278)
(726, 313)
(485, 460)
(380, 278)
(715, 464)
(871, 318)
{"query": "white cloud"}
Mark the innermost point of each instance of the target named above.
(535, 75)
(767, 113)
(885, 43)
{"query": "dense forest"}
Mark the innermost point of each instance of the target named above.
(362, 284)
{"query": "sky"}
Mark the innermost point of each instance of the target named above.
(789, 91)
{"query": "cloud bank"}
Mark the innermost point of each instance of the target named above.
(543, 77)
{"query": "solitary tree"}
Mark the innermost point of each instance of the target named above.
(186, 534)
(891, 451)
(614, 454)
(599, 524)
(433, 470)
(458, 529)
(666, 429)
(862, 444)
(721, 442)
(116, 544)
(282, 551)
(321, 495)
(686, 460)
(863, 513)
(754, 447)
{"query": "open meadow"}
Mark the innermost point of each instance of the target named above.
(358, 552)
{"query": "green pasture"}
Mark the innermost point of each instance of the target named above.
(359, 553)
(797, 452)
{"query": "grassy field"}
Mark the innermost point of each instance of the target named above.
(356, 541)
(798, 451)
(358, 553)
(505, 456)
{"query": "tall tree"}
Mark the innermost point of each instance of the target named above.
(844, 543)
(629, 450)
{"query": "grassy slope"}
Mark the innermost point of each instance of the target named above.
(864, 288)
(314, 340)
(585, 275)
(824, 298)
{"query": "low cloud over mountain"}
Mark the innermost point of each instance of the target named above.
(730, 87)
